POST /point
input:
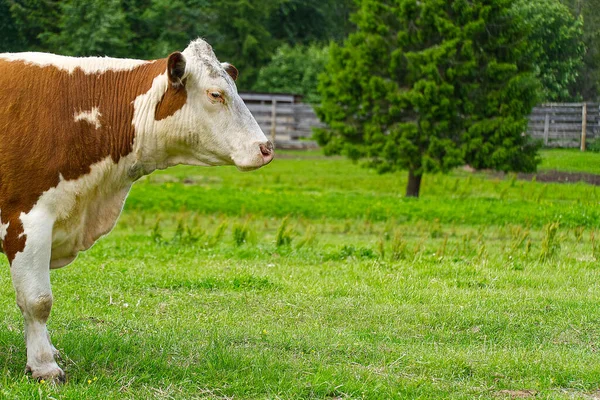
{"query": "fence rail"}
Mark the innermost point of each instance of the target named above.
(565, 124)
(289, 122)
(283, 118)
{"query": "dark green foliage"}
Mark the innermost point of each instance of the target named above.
(588, 84)
(249, 34)
(10, 37)
(89, 28)
(245, 33)
(34, 18)
(556, 47)
(430, 85)
(294, 70)
(309, 21)
(593, 146)
(159, 27)
(238, 33)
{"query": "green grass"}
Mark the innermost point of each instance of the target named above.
(571, 160)
(314, 278)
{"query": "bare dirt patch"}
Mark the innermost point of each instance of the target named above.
(551, 176)
(562, 177)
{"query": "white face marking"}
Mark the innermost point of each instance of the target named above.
(213, 132)
(89, 65)
(92, 116)
(3, 227)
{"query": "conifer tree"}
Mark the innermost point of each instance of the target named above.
(429, 85)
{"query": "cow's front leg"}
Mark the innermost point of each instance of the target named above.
(30, 270)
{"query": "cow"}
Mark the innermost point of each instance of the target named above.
(76, 133)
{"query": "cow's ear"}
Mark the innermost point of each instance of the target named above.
(231, 70)
(176, 69)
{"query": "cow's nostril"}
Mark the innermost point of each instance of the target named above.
(266, 149)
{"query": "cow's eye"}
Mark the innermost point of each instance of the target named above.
(215, 96)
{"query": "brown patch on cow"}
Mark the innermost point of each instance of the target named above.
(172, 100)
(39, 139)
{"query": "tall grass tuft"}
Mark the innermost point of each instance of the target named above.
(218, 235)
(186, 235)
(436, 230)
(550, 245)
(466, 248)
(578, 233)
(442, 251)
(398, 246)
(156, 234)
(481, 248)
(381, 247)
(284, 234)
(595, 245)
(519, 236)
(541, 194)
(309, 239)
(240, 233)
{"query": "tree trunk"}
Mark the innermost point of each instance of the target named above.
(414, 184)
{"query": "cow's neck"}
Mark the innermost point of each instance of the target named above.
(158, 129)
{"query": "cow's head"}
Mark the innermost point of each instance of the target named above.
(212, 125)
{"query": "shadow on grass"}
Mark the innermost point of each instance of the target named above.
(220, 365)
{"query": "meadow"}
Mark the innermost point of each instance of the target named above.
(315, 278)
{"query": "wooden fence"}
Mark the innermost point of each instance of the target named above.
(284, 119)
(288, 122)
(565, 124)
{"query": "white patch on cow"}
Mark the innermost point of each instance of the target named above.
(92, 116)
(89, 65)
(3, 227)
(31, 279)
(154, 139)
(83, 209)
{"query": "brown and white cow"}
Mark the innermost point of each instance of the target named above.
(75, 133)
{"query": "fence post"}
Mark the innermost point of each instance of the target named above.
(546, 128)
(583, 125)
(273, 120)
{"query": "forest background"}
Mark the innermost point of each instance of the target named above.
(278, 45)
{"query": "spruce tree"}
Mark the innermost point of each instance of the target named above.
(429, 85)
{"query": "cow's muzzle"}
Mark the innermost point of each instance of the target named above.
(266, 149)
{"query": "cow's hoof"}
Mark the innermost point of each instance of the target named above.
(50, 374)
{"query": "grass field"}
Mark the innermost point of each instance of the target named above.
(314, 278)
